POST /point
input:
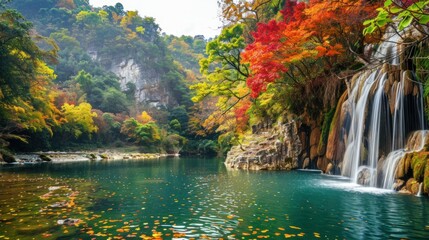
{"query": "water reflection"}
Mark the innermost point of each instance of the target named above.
(195, 198)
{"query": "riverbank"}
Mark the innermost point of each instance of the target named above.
(59, 157)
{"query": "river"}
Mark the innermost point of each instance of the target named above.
(186, 198)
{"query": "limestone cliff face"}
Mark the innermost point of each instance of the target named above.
(275, 148)
(149, 88)
(148, 83)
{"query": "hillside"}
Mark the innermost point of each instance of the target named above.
(118, 63)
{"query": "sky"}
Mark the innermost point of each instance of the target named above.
(184, 17)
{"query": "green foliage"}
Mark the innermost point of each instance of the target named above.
(175, 125)
(181, 115)
(222, 68)
(327, 120)
(25, 78)
(174, 143)
(148, 134)
(403, 14)
(92, 104)
(114, 101)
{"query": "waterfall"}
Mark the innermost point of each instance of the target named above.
(398, 118)
(388, 50)
(374, 138)
(389, 168)
(419, 194)
(385, 105)
(357, 141)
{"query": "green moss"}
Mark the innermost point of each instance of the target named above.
(426, 178)
(418, 165)
(327, 120)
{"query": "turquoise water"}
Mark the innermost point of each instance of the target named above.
(199, 198)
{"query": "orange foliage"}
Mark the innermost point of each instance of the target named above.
(319, 30)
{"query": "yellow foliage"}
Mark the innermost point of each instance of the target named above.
(145, 118)
(79, 119)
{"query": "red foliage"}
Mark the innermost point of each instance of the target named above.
(292, 11)
(310, 32)
(241, 116)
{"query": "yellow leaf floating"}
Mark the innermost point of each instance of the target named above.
(295, 227)
(301, 234)
(287, 235)
(281, 229)
(316, 235)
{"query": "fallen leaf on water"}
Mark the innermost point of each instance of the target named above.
(281, 229)
(301, 234)
(287, 235)
(295, 227)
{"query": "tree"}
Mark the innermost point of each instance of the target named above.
(26, 100)
(114, 101)
(78, 120)
(175, 125)
(304, 49)
(223, 69)
(403, 13)
(145, 118)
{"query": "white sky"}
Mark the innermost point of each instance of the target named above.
(184, 17)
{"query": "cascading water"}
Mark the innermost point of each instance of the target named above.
(382, 111)
(398, 137)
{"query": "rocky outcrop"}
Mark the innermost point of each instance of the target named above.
(147, 81)
(148, 85)
(277, 148)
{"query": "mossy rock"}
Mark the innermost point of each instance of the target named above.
(6, 156)
(103, 156)
(45, 158)
(418, 165)
(426, 178)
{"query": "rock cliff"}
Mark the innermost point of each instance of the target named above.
(274, 148)
(148, 83)
(149, 88)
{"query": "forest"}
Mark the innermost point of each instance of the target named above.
(62, 87)
(60, 91)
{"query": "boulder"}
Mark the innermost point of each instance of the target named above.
(45, 158)
(412, 186)
(399, 184)
(6, 156)
(329, 168)
(364, 177)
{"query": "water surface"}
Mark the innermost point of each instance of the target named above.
(197, 198)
